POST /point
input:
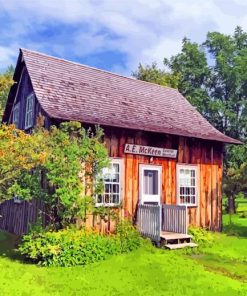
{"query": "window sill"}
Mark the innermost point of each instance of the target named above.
(188, 205)
(111, 205)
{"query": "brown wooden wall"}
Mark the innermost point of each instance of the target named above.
(206, 154)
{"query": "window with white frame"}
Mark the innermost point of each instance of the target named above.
(112, 178)
(29, 111)
(16, 112)
(187, 191)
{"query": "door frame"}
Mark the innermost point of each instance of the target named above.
(154, 167)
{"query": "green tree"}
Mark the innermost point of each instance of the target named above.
(194, 72)
(213, 77)
(75, 157)
(152, 73)
(228, 83)
(59, 167)
(5, 83)
(20, 153)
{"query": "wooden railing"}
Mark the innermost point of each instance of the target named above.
(148, 221)
(174, 219)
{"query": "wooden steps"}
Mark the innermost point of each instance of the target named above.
(174, 236)
(173, 240)
(180, 246)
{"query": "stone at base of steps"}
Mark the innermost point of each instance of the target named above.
(180, 246)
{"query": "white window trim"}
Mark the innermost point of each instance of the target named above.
(28, 112)
(197, 184)
(16, 107)
(145, 197)
(119, 161)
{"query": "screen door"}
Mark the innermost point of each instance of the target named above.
(150, 184)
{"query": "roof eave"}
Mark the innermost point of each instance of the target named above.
(226, 140)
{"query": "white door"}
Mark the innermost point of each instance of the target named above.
(150, 184)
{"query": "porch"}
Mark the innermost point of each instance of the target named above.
(165, 224)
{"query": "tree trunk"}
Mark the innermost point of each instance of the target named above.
(231, 205)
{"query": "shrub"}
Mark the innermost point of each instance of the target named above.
(201, 236)
(69, 247)
(128, 236)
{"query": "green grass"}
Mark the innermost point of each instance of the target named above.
(217, 270)
(228, 254)
(148, 271)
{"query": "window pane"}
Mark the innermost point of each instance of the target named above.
(150, 182)
(107, 198)
(107, 188)
(187, 185)
(29, 112)
(115, 167)
(115, 188)
(111, 179)
(115, 198)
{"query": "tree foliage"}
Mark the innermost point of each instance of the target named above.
(213, 77)
(20, 153)
(75, 159)
(59, 167)
(5, 83)
(152, 73)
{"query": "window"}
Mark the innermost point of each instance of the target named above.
(187, 185)
(17, 200)
(112, 179)
(29, 111)
(150, 184)
(16, 111)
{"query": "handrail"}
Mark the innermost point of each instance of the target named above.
(148, 221)
(174, 219)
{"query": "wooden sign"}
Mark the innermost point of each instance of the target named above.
(150, 151)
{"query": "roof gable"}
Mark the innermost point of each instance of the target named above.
(71, 91)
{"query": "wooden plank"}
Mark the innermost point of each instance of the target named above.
(180, 246)
(135, 184)
(173, 235)
(128, 181)
(114, 145)
(174, 218)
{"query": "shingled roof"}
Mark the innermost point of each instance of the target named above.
(71, 91)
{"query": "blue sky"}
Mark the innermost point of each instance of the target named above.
(112, 34)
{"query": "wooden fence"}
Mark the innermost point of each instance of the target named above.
(174, 219)
(16, 216)
(148, 221)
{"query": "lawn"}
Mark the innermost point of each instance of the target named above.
(217, 270)
(228, 255)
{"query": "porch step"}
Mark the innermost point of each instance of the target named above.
(174, 236)
(180, 246)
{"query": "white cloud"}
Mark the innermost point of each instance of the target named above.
(7, 56)
(143, 30)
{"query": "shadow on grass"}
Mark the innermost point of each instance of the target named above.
(235, 229)
(230, 268)
(235, 225)
(8, 246)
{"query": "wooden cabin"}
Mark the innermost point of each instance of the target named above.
(166, 159)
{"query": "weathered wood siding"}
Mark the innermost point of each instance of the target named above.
(25, 88)
(206, 154)
(17, 217)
